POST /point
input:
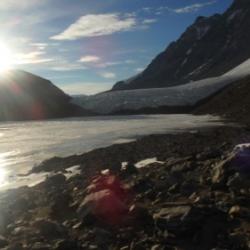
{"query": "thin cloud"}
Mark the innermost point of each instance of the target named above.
(33, 57)
(21, 4)
(89, 59)
(40, 46)
(62, 64)
(186, 9)
(139, 70)
(96, 25)
(108, 75)
(192, 8)
(149, 21)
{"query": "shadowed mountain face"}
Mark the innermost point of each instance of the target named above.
(24, 96)
(210, 47)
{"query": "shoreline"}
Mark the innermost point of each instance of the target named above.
(174, 203)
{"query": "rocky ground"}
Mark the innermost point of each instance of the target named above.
(195, 197)
(232, 102)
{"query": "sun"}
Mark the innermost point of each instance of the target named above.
(5, 58)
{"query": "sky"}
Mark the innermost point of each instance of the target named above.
(85, 46)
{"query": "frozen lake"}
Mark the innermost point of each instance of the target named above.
(23, 144)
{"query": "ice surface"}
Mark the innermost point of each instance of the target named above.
(37, 141)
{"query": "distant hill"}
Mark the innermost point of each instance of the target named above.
(24, 96)
(208, 48)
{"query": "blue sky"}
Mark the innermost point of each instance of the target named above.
(85, 46)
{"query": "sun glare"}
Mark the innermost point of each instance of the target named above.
(5, 58)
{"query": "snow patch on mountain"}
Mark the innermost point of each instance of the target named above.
(202, 31)
(233, 15)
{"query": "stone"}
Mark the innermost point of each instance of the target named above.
(235, 211)
(50, 229)
(237, 182)
(3, 242)
(178, 219)
(125, 248)
(156, 247)
(103, 237)
(141, 216)
(41, 246)
(56, 180)
(128, 170)
(66, 245)
(222, 171)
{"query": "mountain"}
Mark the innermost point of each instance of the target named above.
(208, 48)
(24, 96)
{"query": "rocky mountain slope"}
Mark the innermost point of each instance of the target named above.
(24, 96)
(210, 47)
(233, 102)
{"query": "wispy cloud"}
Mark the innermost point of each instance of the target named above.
(89, 59)
(66, 66)
(23, 4)
(138, 70)
(182, 10)
(86, 88)
(108, 75)
(34, 57)
(40, 46)
(96, 25)
(193, 7)
(149, 21)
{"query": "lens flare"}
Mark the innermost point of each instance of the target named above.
(5, 58)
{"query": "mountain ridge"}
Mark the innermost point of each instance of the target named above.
(210, 47)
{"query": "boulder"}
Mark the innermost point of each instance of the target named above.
(3, 242)
(178, 219)
(49, 229)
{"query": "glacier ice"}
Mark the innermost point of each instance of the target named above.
(182, 95)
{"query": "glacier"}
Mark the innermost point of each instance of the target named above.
(183, 95)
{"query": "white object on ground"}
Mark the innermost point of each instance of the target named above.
(146, 162)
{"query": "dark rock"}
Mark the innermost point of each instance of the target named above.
(129, 170)
(178, 219)
(3, 242)
(66, 245)
(41, 246)
(141, 216)
(50, 229)
(15, 246)
(103, 238)
(60, 205)
(55, 180)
